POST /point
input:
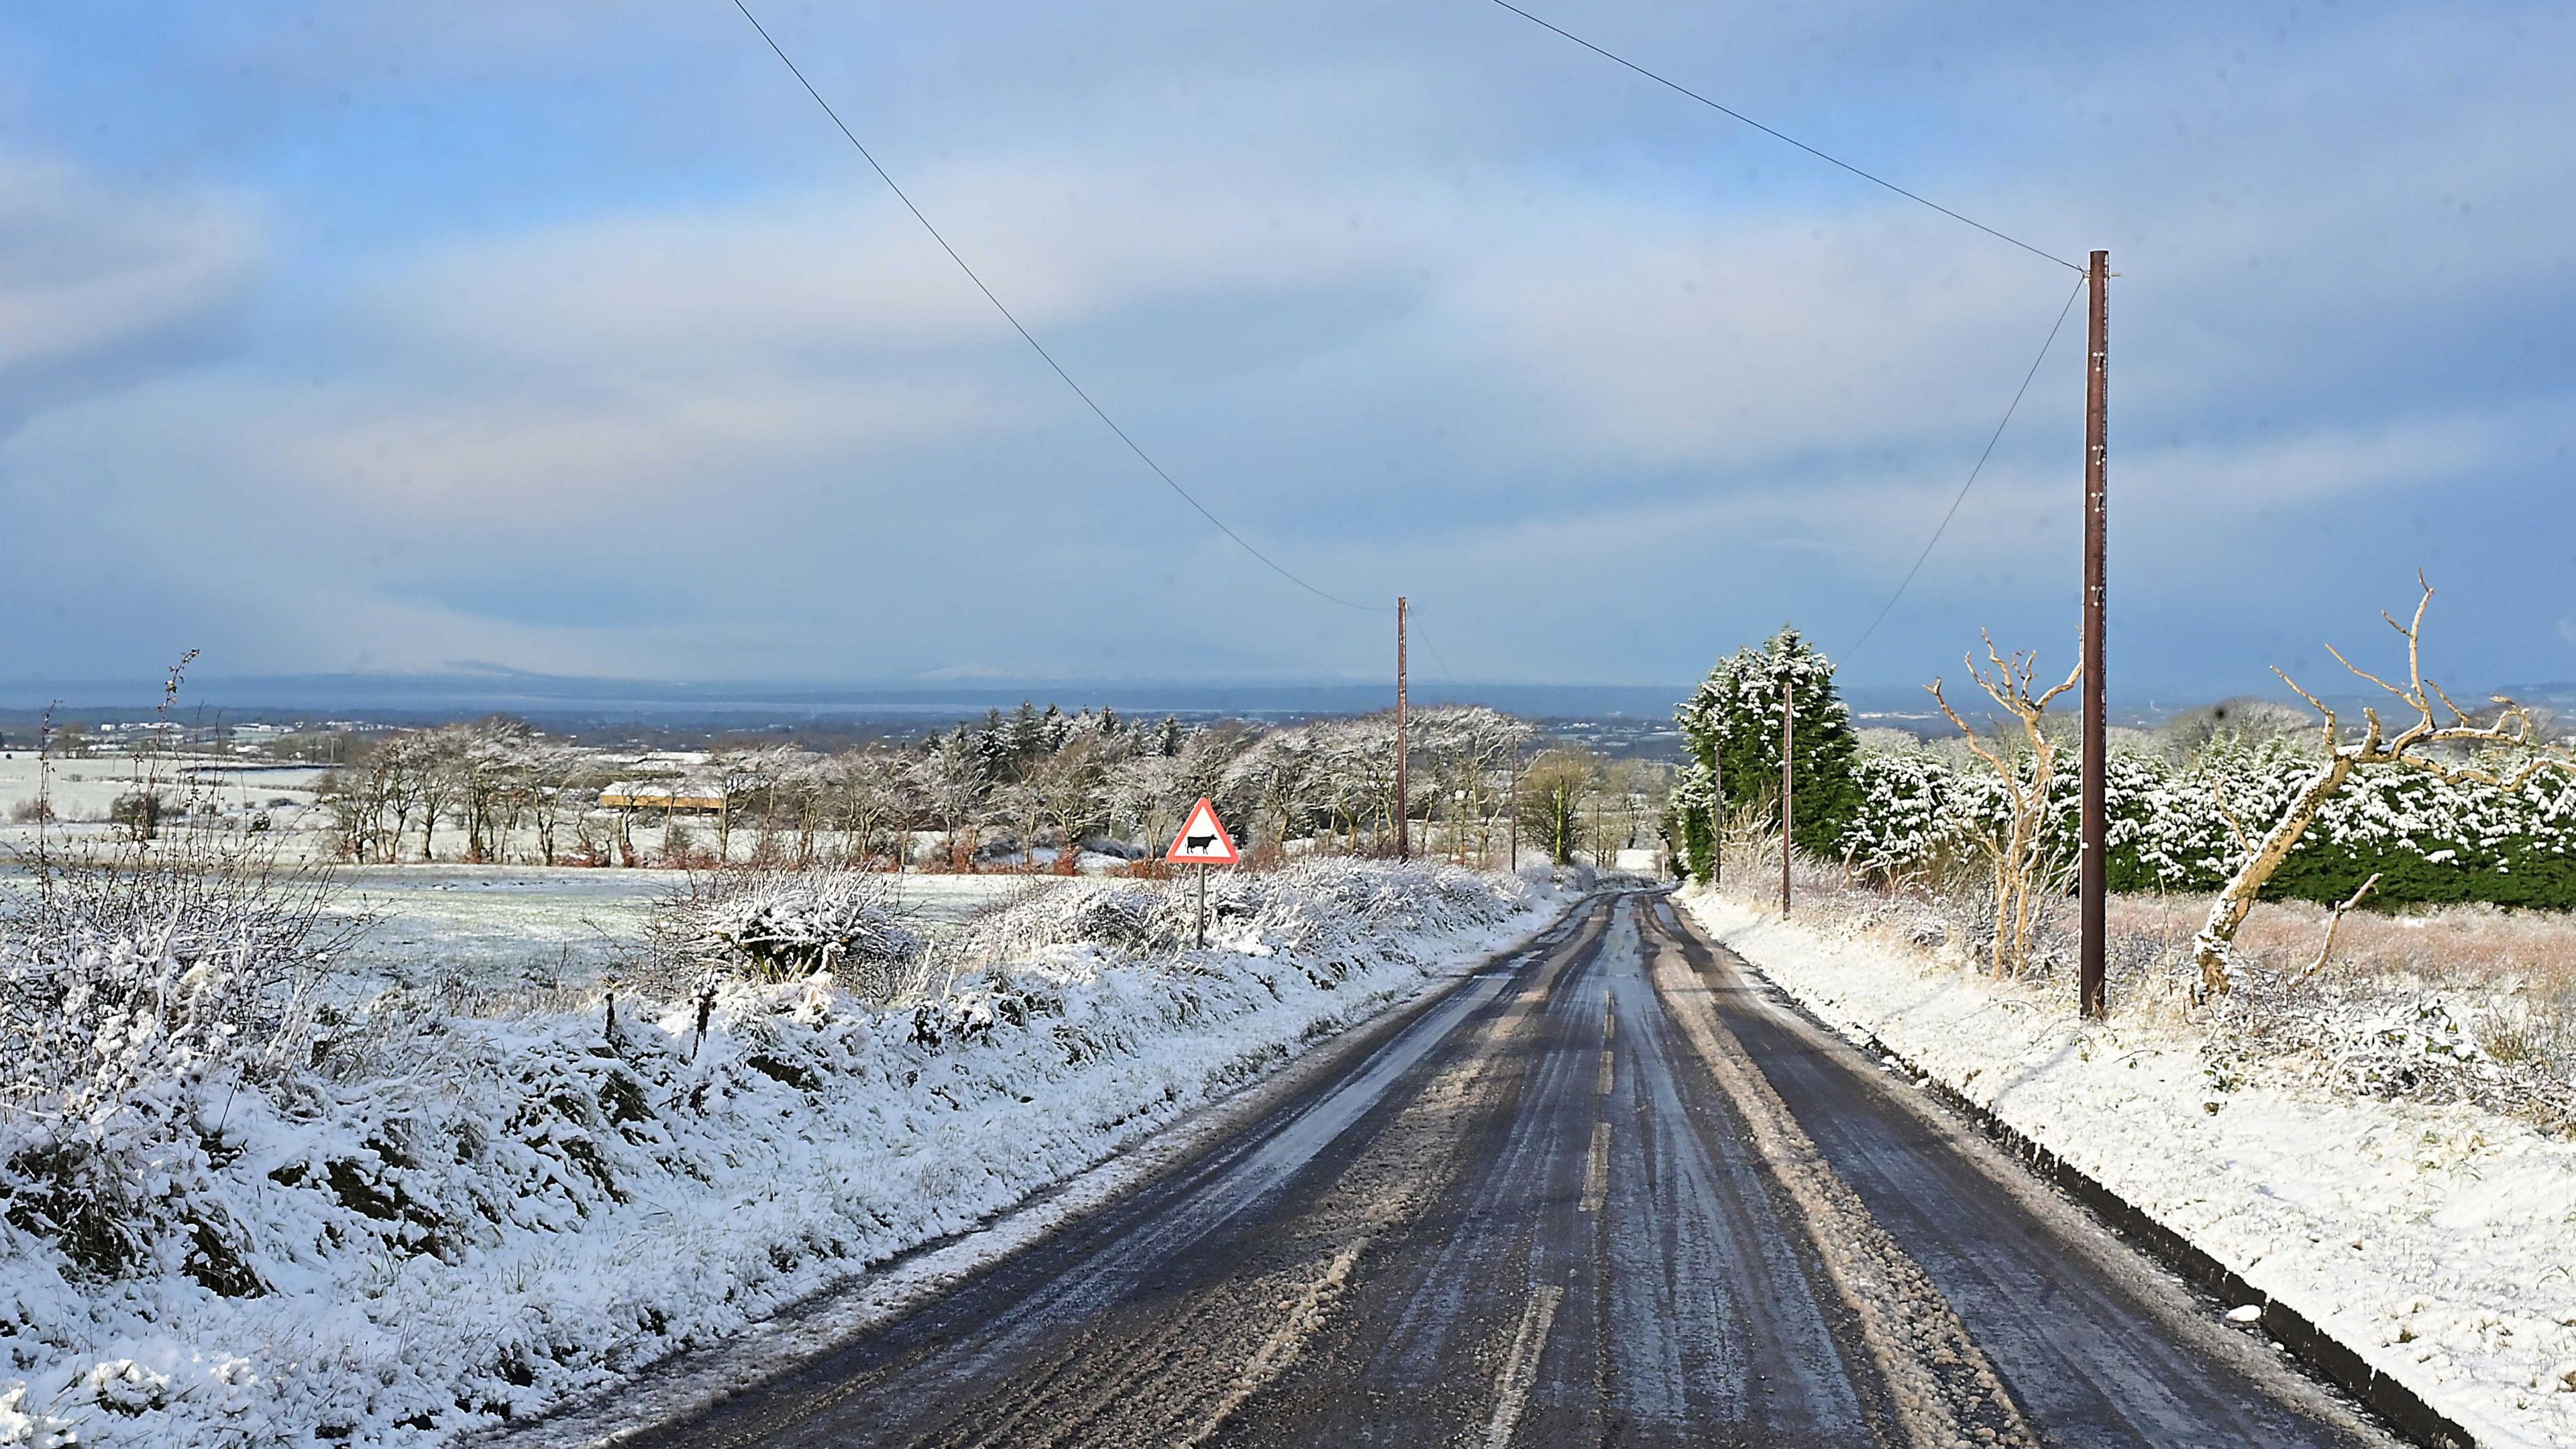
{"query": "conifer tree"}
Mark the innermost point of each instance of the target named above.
(1732, 724)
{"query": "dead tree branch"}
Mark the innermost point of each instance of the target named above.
(2415, 747)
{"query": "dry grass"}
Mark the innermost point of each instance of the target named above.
(2466, 946)
(2387, 1015)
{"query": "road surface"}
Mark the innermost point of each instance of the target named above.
(1606, 1191)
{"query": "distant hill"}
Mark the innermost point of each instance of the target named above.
(398, 698)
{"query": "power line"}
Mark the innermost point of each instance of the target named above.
(1026, 336)
(1435, 651)
(1783, 136)
(1962, 496)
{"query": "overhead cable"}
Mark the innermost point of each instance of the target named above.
(1730, 111)
(1962, 495)
(1026, 336)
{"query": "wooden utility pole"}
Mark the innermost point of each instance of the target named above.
(1788, 777)
(1403, 841)
(2094, 881)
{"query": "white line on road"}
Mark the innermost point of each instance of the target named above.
(1596, 1173)
(1520, 1367)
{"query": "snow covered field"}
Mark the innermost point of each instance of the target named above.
(422, 1225)
(80, 791)
(2438, 1241)
(489, 926)
(505, 925)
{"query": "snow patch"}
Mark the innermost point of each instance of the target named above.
(2433, 1240)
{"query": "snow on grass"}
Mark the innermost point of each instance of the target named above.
(429, 1224)
(2437, 1241)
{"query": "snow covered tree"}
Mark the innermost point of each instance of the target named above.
(1691, 813)
(1732, 726)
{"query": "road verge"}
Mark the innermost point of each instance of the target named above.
(2379, 1276)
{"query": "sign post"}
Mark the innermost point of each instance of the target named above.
(1203, 843)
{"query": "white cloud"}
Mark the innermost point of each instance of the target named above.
(89, 271)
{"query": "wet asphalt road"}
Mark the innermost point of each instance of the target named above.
(1603, 1192)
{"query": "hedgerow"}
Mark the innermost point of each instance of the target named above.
(2429, 840)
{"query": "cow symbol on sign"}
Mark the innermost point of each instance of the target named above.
(1203, 843)
(1202, 840)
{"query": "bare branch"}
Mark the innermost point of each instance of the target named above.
(2334, 923)
(2457, 713)
(2334, 728)
(2218, 794)
(2041, 703)
(2366, 674)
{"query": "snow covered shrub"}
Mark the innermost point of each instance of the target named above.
(767, 923)
(140, 993)
(1329, 910)
(2429, 839)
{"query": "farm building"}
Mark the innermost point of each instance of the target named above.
(666, 796)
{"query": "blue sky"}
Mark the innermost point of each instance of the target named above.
(571, 338)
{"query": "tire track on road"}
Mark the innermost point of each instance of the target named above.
(1944, 1391)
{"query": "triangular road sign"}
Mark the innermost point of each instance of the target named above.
(1202, 840)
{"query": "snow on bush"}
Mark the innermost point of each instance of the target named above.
(139, 997)
(773, 924)
(2429, 839)
(396, 1224)
(1325, 911)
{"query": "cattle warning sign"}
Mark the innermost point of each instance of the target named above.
(1202, 840)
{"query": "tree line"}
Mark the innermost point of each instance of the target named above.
(999, 789)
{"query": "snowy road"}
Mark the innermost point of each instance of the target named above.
(1602, 1192)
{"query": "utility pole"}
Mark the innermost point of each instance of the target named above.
(1788, 774)
(2094, 881)
(1403, 842)
(1512, 808)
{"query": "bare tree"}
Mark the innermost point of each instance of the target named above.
(2437, 749)
(1553, 794)
(2027, 873)
(1067, 786)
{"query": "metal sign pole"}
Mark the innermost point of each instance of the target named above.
(1202, 907)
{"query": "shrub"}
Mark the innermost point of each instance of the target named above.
(140, 812)
(773, 924)
(2429, 840)
(138, 992)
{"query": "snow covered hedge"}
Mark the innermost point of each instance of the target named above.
(394, 1225)
(2431, 841)
(775, 924)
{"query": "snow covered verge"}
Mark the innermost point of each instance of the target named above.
(401, 1227)
(2434, 1240)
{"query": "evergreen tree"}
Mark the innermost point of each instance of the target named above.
(1169, 740)
(992, 747)
(1690, 828)
(1024, 738)
(1732, 724)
